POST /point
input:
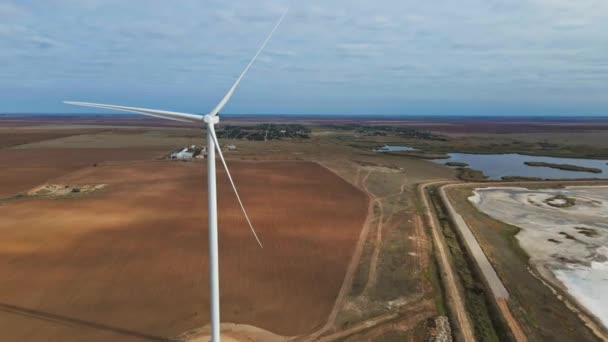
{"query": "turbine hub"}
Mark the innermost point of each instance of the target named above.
(211, 119)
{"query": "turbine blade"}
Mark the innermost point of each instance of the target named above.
(226, 98)
(163, 114)
(219, 152)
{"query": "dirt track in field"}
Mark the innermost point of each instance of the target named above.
(130, 261)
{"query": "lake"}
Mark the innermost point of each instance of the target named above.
(496, 166)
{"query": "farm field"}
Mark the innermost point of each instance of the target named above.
(23, 169)
(347, 256)
(129, 262)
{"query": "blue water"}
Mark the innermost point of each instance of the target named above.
(496, 166)
(394, 148)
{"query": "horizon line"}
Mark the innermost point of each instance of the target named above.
(237, 115)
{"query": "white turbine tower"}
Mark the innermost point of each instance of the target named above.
(210, 120)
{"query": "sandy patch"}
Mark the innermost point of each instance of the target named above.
(571, 241)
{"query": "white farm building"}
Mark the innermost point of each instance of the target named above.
(185, 153)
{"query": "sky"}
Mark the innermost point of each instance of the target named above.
(385, 57)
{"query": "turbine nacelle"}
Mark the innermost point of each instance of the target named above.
(211, 119)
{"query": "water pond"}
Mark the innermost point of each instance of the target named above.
(394, 148)
(496, 166)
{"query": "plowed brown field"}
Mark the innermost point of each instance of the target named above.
(22, 169)
(130, 261)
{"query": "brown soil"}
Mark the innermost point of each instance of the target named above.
(23, 169)
(18, 136)
(130, 262)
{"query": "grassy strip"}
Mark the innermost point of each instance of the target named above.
(478, 307)
(433, 275)
(566, 167)
(394, 274)
(479, 146)
(471, 175)
(433, 272)
(360, 278)
(457, 164)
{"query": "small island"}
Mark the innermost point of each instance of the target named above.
(520, 179)
(457, 164)
(471, 175)
(566, 167)
(560, 201)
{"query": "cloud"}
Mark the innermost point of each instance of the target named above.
(402, 50)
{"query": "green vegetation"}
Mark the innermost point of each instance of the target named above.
(360, 278)
(568, 236)
(417, 154)
(457, 164)
(520, 179)
(561, 201)
(263, 132)
(394, 273)
(401, 131)
(433, 143)
(433, 272)
(588, 232)
(471, 175)
(384, 130)
(509, 234)
(480, 145)
(433, 276)
(476, 300)
(567, 167)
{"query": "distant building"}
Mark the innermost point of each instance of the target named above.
(185, 153)
(231, 148)
(202, 153)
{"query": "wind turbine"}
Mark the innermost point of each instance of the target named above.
(210, 120)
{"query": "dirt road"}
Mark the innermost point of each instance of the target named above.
(352, 267)
(417, 311)
(453, 294)
(496, 286)
(501, 295)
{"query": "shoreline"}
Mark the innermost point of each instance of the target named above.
(548, 278)
(545, 259)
